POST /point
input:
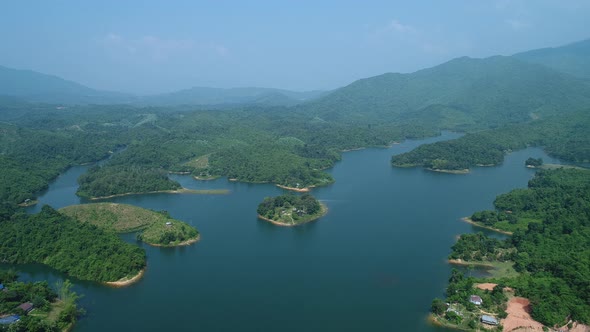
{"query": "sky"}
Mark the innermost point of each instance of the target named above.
(147, 47)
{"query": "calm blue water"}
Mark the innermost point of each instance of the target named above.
(373, 263)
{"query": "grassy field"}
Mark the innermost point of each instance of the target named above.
(158, 227)
(495, 269)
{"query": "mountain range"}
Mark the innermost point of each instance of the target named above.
(495, 89)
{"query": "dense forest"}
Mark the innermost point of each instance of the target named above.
(80, 250)
(291, 209)
(551, 251)
(54, 311)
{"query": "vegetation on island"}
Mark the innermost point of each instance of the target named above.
(534, 162)
(80, 250)
(156, 227)
(562, 137)
(291, 209)
(549, 249)
(51, 311)
(107, 181)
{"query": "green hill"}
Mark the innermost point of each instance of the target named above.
(573, 59)
(37, 87)
(464, 91)
(219, 96)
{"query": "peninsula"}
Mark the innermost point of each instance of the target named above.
(158, 228)
(291, 210)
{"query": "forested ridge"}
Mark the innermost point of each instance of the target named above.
(551, 251)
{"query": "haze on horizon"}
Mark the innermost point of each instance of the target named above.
(153, 46)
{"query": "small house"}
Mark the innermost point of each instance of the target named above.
(168, 223)
(26, 307)
(489, 320)
(475, 299)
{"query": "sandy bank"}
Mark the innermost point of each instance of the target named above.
(126, 281)
(175, 191)
(29, 203)
(469, 221)
(449, 171)
(299, 190)
(466, 263)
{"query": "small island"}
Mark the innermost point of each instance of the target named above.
(534, 162)
(290, 209)
(158, 228)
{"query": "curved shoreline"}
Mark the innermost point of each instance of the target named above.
(323, 212)
(172, 191)
(183, 243)
(299, 190)
(124, 282)
(469, 221)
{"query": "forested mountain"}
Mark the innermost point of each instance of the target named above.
(469, 92)
(218, 96)
(31, 86)
(573, 59)
(37, 87)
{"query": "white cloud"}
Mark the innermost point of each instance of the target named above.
(396, 26)
(517, 25)
(158, 49)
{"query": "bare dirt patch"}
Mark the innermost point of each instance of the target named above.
(519, 318)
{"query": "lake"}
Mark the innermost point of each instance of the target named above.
(373, 263)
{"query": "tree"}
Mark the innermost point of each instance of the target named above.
(438, 306)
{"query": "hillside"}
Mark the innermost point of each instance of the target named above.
(573, 59)
(464, 91)
(219, 96)
(37, 87)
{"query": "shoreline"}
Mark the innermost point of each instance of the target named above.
(30, 203)
(467, 263)
(181, 244)
(474, 223)
(209, 178)
(323, 212)
(299, 190)
(171, 191)
(124, 282)
(449, 171)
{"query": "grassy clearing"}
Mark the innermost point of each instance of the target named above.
(495, 269)
(201, 162)
(158, 227)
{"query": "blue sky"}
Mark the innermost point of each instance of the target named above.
(159, 46)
